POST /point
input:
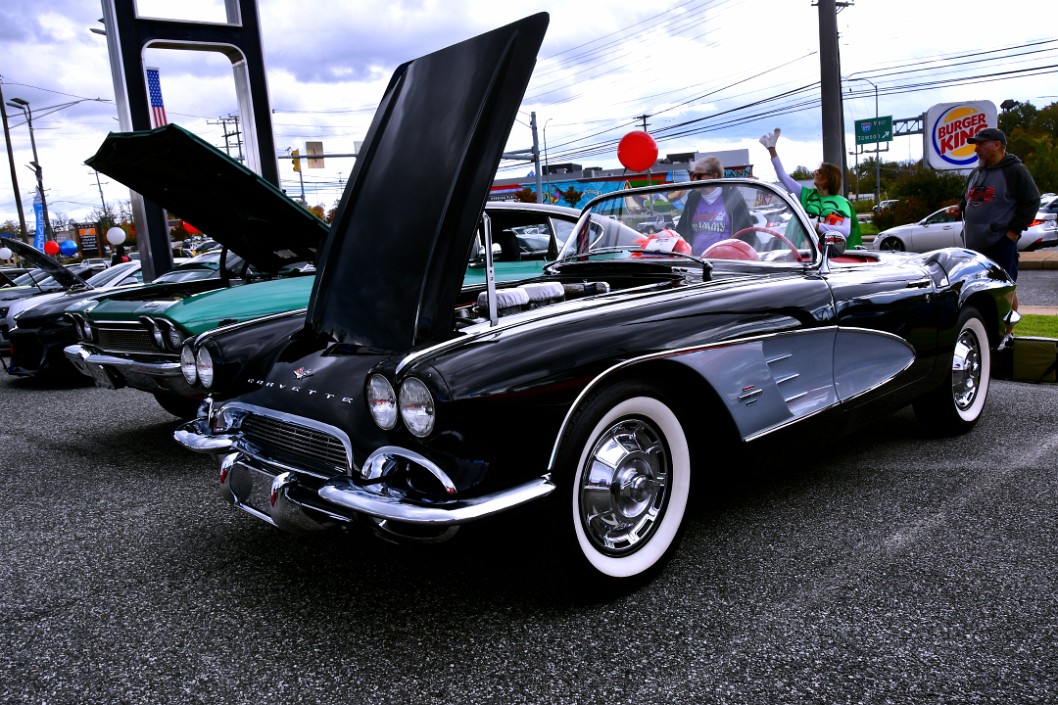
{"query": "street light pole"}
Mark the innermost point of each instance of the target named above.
(28, 112)
(877, 149)
(11, 163)
(547, 172)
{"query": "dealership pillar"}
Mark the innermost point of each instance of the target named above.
(128, 35)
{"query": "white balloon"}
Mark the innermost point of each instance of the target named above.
(5, 253)
(115, 236)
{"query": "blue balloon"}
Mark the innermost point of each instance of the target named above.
(68, 247)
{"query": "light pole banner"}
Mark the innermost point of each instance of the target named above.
(38, 212)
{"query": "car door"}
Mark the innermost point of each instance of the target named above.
(937, 230)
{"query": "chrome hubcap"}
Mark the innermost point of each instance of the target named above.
(624, 486)
(966, 370)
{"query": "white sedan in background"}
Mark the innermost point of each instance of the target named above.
(938, 229)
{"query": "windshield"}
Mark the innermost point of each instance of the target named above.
(717, 220)
(34, 276)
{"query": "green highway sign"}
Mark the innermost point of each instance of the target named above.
(879, 129)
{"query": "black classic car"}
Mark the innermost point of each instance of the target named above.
(46, 276)
(602, 389)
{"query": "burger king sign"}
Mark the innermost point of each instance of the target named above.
(949, 126)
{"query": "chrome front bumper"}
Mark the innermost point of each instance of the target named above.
(267, 491)
(113, 372)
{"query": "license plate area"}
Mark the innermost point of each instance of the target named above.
(252, 488)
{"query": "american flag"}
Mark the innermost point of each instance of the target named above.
(154, 89)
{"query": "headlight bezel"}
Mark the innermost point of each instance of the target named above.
(188, 364)
(382, 402)
(418, 408)
(205, 367)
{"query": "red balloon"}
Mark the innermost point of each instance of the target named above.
(637, 151)
(51, 248)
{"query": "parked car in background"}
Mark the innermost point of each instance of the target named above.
(40, 332)
(882, 206)
(939, 229)
(936, 230)
(602, 390)
(47, 276)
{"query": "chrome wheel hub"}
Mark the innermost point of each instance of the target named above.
(624, 486)
(966, 370)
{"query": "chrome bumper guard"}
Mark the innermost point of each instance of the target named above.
(267, 494)
(195, 435)
(111, 372)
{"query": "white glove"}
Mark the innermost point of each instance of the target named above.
(771, 138)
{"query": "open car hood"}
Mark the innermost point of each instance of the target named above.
(62, 275)
(197, 182)
(397, 252)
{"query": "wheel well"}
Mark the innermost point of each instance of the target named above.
(692, 398)
(984, 303)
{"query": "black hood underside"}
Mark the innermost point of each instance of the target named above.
(395, 258)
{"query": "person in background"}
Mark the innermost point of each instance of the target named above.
(119, 255)
(822, 201)
(711, 213)
(998, 203)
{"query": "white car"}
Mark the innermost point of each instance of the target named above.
(938, 229)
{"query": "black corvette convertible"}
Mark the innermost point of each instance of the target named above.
(599, 390)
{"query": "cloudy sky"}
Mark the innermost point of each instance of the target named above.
(704, 75)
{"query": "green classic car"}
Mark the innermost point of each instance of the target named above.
(270, 246)
(133, 339)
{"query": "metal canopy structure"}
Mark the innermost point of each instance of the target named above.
(239, 39)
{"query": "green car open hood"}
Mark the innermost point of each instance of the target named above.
(195, 181)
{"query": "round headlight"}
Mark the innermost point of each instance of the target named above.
(382, 401)
(416, 407)
(204, 367)
(176, 337)
(85, 329)
(187, 364)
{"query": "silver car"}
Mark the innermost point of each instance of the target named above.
(938, 229)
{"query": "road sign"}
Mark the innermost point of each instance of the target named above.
(879, 129)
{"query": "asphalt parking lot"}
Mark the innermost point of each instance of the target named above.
(882, 568)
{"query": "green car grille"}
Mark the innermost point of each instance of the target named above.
(126, 340)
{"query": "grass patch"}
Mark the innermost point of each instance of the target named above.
(868, 229)
(1037, 326)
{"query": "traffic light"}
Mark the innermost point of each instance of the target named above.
(295, 155)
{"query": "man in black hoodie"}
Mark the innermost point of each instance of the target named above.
(999, 202)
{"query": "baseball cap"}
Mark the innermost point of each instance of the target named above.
(989, 133)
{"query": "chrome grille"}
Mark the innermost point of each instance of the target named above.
(126, 340)
(295, 445)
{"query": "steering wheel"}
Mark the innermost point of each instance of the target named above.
(758, 229)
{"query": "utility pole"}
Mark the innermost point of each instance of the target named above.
(23, 105)
(106, 211)
(223, 122)
(830, 85)
(11, 163)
